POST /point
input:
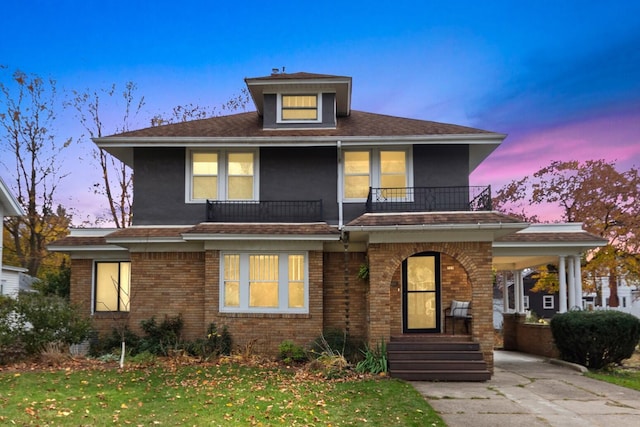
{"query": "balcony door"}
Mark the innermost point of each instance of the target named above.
(421, 293)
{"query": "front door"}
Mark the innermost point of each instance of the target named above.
(421, 293)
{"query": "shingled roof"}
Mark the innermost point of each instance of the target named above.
(249, 125)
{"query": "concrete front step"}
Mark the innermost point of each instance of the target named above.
(440, 375)
(427, 358)
(432, 346)
(433, 355)
(435, 365)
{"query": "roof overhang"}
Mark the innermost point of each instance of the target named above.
(9, 205)
(541, 244)
(481, 145)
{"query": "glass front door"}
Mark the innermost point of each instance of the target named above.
(421, 293)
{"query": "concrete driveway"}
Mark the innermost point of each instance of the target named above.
(529, 391)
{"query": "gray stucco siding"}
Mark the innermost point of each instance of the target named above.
(305, 173)
(440, 165)
(159, 189)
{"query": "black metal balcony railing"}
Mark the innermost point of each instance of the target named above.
(429, 199)
(264, 211)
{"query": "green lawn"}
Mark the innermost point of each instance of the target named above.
(206, 395)
(624, 378)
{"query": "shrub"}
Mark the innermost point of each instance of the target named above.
(217, 342)
(113, 343)
(33, 321)
(595, 339)
(160, 338)
(375, 359)
(289, 352)
(338, 341)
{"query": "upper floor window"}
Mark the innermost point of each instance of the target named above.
(112, 286)
(378, 168)
(222, 175)
(299, 108)
(264, 282)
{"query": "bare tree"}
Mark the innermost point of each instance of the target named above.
(117, 178)
(187, 112)
(28, 107)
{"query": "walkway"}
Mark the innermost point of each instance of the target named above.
(527, 391)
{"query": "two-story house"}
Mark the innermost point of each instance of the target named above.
(262, 220)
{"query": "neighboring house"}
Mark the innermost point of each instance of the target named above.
(9, 206)
(261, 221)
(15, 280)
(543, 304)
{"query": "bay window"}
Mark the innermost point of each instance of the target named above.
(264, 283)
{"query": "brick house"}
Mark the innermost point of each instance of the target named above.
(261, 221)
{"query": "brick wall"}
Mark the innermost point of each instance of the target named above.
(344, 296)
(527, 337)
(264, 332)
(469, 278)
(168, 284)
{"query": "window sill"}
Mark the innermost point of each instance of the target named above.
(266, 315)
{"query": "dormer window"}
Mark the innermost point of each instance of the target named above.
(299, 108)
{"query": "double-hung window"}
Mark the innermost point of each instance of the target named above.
(264, 282)
(547, 302)
(377, 168)
(299, 108)
(112, 286)
(222, 175)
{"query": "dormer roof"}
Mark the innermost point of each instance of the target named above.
(281, 82)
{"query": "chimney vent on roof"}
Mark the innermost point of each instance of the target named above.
(275, 71)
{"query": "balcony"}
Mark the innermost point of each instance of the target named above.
(264, 211)
(429, 199)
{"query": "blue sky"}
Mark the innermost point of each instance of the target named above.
(561, 78)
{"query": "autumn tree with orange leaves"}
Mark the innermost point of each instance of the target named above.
(595, 193)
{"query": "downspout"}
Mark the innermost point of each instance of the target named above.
(340, 217)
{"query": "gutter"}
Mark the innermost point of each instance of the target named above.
(420, 227)
(340, 205)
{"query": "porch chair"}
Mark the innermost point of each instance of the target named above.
(458, 310)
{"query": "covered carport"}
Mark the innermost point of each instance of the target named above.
(562, 244)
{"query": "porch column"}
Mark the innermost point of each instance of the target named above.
(571, 282)
(562, 276)
(505, 293)
(578, 282)
(516, 292)
(518, 282)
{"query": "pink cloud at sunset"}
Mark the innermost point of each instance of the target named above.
(612, 138)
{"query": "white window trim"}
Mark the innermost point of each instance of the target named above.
(283, 282)
(279, 118)
(222, 174)
(94, 284)
(525, 302)
(548, 302)
(374, 168)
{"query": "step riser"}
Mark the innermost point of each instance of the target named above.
(444, 376)
(416, 346)
(418, 355)
(434, 365)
